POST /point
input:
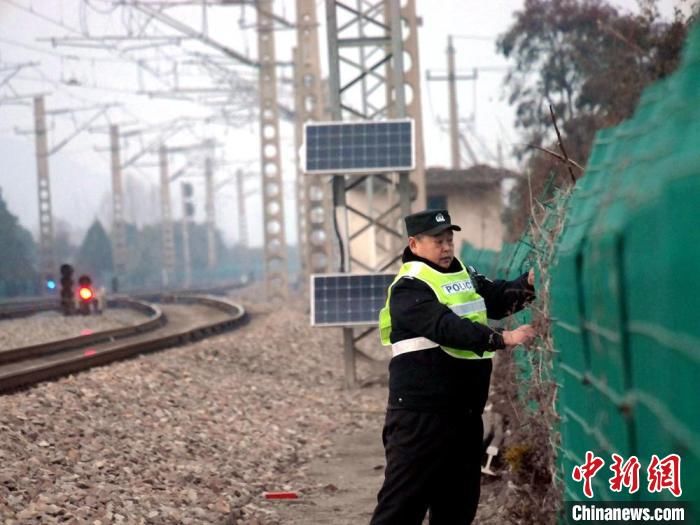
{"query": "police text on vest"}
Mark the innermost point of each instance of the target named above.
(456, 287)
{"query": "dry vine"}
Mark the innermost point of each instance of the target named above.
(534, 487)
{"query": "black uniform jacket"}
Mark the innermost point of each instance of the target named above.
(431, 379)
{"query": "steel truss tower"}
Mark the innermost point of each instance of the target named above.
(373, 74)
(166, 217)
(271, 172)
(46, 255)
(119, 247)
(47, 264)
(370, 78)
(313, 192)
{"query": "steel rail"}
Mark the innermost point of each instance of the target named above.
(51, 347)
(23, 307)
(236, 316)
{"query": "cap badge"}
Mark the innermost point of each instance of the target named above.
(439, 218)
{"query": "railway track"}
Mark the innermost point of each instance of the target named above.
(23, 307)
(178, 319)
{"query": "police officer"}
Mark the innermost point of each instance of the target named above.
(435, 321)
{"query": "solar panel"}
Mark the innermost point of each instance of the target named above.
(348, 299)
(358, 147)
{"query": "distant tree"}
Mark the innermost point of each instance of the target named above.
(144, 264)
(30, 247)
(144, 268)
(95, 254)
(199, 244)
(17, 264)
(590, 62)
(141, 201)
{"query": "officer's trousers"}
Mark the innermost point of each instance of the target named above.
(433, 462)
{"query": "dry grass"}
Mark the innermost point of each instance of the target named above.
(533, 490)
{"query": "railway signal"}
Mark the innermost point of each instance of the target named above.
(67, 299)
(86, 295)
(50, 283)
(187, 195)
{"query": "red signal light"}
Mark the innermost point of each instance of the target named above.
(85, 293)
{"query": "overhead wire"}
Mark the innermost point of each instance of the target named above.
(46, 18)
(133, 24)
(105, 11)
(62, 56)
(57, 54)
(94, 87)
(83, 22)
(59, 86)
(485, 38)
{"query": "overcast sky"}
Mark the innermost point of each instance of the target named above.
(80, 176)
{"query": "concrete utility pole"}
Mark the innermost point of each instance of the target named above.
(187, 212)
(47, 264)
(242, 224)
(452, 77)
(210, 213)
(167, 235)
(119, 248)
(454, 113)
(271, 172)
(301, 182)
(209, 207)
(414, 108)
(242, 221)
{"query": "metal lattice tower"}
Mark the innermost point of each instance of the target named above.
(119, 249)
(168, 235)
(367, 80)
(46, 254)
(314, 192)
(271, 172)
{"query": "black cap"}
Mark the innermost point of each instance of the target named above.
(429, 222)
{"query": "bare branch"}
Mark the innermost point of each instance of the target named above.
(561, 144)
(619, 36)
(556, 155)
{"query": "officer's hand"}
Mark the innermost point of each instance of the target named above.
(522, 335)
(531, 277)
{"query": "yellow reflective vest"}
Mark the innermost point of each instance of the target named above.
(455, 290)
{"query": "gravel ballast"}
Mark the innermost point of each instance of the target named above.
(50, 326)
(191, 435)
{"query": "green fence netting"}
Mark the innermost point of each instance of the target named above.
(624, 297)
